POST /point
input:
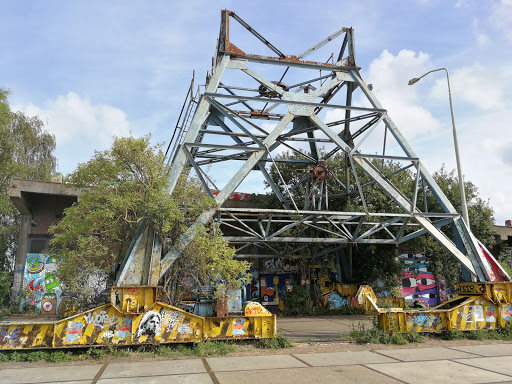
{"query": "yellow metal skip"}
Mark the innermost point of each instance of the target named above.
(135, 317)
(478, 306)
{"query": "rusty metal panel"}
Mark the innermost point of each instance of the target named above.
(468, 313)
(21, 336)
(134, 318)
(395, 302)
(228, 328)
(102, 325)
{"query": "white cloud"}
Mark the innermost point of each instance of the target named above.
(482, 39)
(73, 118)
(79, 124)
(500, 18)
(389, 75)
(474, 84)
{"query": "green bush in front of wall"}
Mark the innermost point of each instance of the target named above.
(297, 301)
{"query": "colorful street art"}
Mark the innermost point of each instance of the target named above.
(42, 287)
(336, 301)
(270, 284)
(506, 312)
(425, 321)
(418, 282)
(279, 266)
(238, 326)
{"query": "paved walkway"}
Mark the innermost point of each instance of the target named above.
(321, 327)
(462, 364)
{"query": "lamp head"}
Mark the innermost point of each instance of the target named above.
(413, 81)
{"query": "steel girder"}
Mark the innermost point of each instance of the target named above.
(247, 116)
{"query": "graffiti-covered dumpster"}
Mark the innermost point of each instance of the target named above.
(134, 317)
(478, 306)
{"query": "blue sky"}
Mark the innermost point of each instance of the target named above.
(94, 69)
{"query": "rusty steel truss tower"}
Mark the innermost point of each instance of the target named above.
(253, 107)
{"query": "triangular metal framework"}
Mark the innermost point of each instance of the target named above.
(247, 115)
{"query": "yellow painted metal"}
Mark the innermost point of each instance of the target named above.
(479, 306)
(133, 299)
(135, 317)
(18, 336)
(395, 302)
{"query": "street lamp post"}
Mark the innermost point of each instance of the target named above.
(464, 206)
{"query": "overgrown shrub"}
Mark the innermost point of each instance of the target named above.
(376, 335)
(297, 301)
(277, 342)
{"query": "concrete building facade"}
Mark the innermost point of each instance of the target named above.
(41, 205)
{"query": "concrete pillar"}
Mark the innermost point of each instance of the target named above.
(21, 258)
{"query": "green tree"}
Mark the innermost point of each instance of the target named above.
(26, 151)
(480, 217)
(123, 185)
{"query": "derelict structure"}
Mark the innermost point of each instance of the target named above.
(255, 106)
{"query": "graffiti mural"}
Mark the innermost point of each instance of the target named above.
(41, 284)
(74, 331)
(425, 321)
(506, 312)
(336, 301)
(273, 288)
(238, 326)
(418, 282)
(150, 324)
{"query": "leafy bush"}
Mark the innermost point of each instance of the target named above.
(297, 301)
(477, 334)
(453, 334)
(277, 342)
(378, 336)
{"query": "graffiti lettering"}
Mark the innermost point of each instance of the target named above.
(9, 336)
(335, 300)
(470, 289)
(101, 319)
(425, 320)
(279, 266)
(468, 316)
(172, 319)
(107, 335)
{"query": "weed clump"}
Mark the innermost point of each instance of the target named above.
(376, 335)
(277, 342)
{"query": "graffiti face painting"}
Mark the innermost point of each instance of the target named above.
(150, 324)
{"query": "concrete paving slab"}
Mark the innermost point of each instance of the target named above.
(343, 358)
(66, 373)
(246, 363)
(153, 368)
(355, 374)
(421, 354)
(321, 327)
(194, 378)
(487, 349)
(441, 371)
(500, 364)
